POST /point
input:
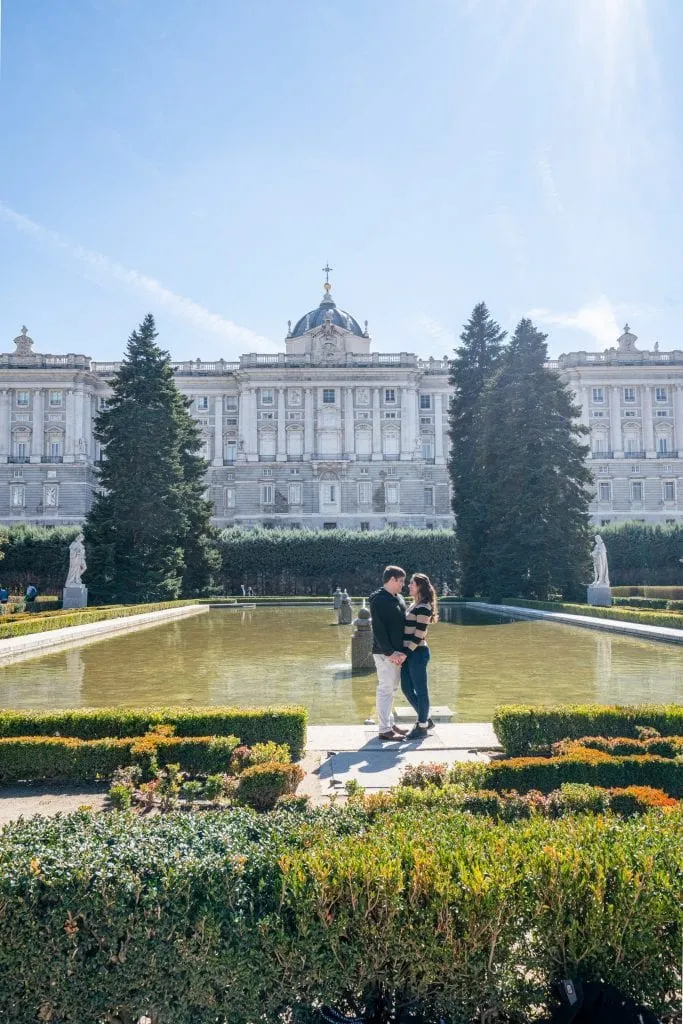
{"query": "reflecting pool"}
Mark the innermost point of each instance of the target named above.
(299, 655)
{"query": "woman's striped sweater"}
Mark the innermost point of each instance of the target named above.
(418, 617)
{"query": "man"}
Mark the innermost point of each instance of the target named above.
(388, 611)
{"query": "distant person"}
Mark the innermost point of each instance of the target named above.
(30, 596)
(422, 611)
(388, 611)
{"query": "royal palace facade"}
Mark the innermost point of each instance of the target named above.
(328, 434)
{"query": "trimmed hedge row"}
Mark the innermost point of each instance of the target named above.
(521, 727)
(39, 623)
(662, 746)
(583, 766)
(671, 620)
(232, 917)
(41, 758)
(252, 725)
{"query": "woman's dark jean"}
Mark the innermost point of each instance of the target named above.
(414, 682)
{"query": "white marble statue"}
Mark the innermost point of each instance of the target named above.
(77, 564)
(599, 556)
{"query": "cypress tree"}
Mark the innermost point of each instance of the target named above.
(145, 535)
(474, 363)
(537, 483)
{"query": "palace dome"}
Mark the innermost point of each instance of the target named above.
(327, 311)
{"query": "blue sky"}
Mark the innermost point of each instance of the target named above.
(203, 160)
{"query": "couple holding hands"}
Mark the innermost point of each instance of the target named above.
(400, 649)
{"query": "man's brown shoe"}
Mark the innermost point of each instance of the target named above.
(399, 730)
(391, 735)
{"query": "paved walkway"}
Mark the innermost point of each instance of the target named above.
(334, 755)
(637, 629)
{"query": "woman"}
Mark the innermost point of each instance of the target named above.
(422, 611)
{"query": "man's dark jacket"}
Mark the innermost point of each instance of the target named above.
(388, 621)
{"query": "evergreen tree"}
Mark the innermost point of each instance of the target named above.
(537, 483)
(146, 533)
(474, 363)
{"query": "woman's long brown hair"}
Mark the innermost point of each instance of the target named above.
(427, 593)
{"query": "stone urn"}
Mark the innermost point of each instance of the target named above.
(361, 643)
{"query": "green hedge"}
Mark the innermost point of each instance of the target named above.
(644, 554)
(653, 618)
(43, 758)
(591, 767)
(641, 602)
(522, 727)
(252, 725)
(316, 561)
(35, 554)
(61, 619)
(239, 918)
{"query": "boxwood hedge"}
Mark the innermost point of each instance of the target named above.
(238, 918)
(521, 727)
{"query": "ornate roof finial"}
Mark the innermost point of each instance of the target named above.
(627, 329)
(23, 342)
(327, 269)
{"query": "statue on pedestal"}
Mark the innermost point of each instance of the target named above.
(75, 594)
(599, 592)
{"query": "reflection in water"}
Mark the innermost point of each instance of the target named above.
(299, 655)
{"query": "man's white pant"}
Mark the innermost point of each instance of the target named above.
(388, 680)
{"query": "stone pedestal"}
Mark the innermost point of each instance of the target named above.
(345, 613)
(337, 599)
(600, 595)
(75, 596)
(361, 643)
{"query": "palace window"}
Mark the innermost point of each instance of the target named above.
(17, 494)
(661, 412)
(294, 494)
(425, 401)
(55, 399)
(364, 492)
(22, 398)
(231, 402)
(429, 497)
(266, 396)
(329, 526)
(389, 395)
(629, 394)
(391, 493)
(598, 394)
(229, 497)
(329, 396)
(662, 445)
(426, 421)
(630, 413)
(660, 394)
(636, 490)
(427, 450)
(202, 403)
(267, 472)
(364, 526)
(598, 414)
(231, 451)
(50, 496)
(56, 449)
(267, 494)
(328, 493)
(605, 491)
(669, 490)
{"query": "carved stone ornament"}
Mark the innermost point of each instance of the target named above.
(24, 343)
(294, 396)
(362, 396)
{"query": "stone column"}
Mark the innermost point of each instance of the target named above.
(648, 426)
(438, 428)
(615, 423)
(218, 430)
(678, 418)
(69, 442)
(281, 450)
(241, 425)
(79, 439)
(349, 425)
(376, 426)
(37, 435)
(582, 401)
(252, 426)
(309, 414)
(408, 424)
(5, 438)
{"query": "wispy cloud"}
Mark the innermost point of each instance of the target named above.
(548, 184)
(427, 326)
(178, 305)
(597, 319)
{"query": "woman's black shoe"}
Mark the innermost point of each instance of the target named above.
(418, 732)
(430, 724)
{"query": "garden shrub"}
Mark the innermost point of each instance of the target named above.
(419, 776)
(583, 766)
(670, 620)
(642, 602)
(286, 725)
(232, 917)
(522, 727)
(261, 785)
(671, 746)
(40, 623)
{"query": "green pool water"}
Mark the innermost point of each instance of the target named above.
(299, 655)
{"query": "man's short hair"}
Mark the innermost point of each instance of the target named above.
(393, 572)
